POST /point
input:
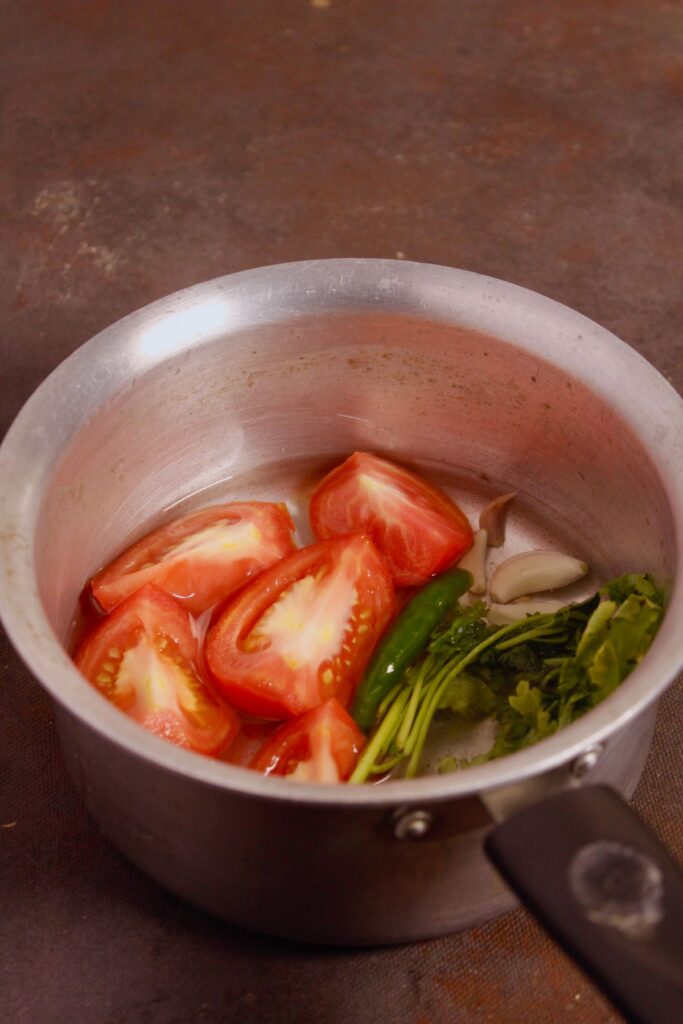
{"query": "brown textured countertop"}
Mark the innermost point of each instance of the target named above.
(151, 146)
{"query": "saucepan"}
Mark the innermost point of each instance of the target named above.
(247, 386)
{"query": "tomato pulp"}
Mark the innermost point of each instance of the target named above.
(303, 630)
(321, 746)
(144, 658)
(417, 527)
(200, 558)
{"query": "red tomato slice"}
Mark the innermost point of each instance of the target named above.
(419, 529)
(303, 630)
(321, 746)
(202, 557)
(144, 658)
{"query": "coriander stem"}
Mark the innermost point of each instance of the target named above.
(386, 766)
(381, 739)
(528, 634)
(381, 710)
(416, 689)
(416, 725)
(436, 689)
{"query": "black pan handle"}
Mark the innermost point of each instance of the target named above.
(601, 884)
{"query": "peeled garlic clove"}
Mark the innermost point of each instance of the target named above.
(474, 561)
(531, 571)
(504, 614)
(492, 519)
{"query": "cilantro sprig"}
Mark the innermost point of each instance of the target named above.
(534, 676)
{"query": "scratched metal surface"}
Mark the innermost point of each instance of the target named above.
(148, 147)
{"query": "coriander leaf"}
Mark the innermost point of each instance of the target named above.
(630, 632)
(527, 701)
(455, 764)
(604, 671)
(469, 696)
(522, 658)
(595, 632)
(462, 632)
(575, 692)
(631, 583)
(524, 722)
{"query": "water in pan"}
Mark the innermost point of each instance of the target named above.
(293, 481)
(528, 527)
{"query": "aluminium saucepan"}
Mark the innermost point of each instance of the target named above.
(246, 385)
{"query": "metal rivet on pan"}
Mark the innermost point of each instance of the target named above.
(412, 824)
(585, 762)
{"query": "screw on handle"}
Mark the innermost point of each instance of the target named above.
(607, 890)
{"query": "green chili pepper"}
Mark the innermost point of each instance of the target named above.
(405, 639)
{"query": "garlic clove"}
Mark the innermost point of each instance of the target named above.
(532, 571)
(492, 519)
(504, 614)
(474, 561)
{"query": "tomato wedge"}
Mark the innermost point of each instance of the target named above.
(417, 527)
(144, 658)
(303, 630)
(200, 558)
(321, 746)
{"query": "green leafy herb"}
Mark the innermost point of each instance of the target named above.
(533, 676)
(469, 696)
